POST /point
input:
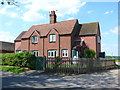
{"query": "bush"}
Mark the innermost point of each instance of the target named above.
(89, 53)
(57, 62)
(19, 59)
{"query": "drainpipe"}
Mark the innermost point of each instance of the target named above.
(59, 45)
(43, 46)
(29, 45)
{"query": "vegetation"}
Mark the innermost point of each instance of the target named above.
(115, 57)
(89, 53)
(13, 69)
(19, 59)
(57, 62)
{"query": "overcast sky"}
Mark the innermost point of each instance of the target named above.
(14, 20)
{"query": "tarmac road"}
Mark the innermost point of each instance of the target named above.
(34, 79)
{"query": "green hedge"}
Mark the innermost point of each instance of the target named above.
(19, 59)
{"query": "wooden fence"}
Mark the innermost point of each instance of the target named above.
(81, 65)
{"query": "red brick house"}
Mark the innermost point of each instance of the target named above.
(6, 47)
(62, 39)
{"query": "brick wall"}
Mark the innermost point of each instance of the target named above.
(17, 45)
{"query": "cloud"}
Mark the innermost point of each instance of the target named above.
(32, 16)
(91, 11)
(108, 12)
(9, 23)
(12, 14)
(108, 50)
(72, 7)
(6, 36)
(70, 18)
(114, 30)
(5, 11)
(104, 33)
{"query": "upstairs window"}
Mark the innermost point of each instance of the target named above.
(34, 39)
(65, 53)
(99, 40)
(35, 52)
(52, 38)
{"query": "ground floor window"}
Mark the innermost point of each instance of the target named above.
(35, 52)
(64, 53)
(18, 51)
(52, 53)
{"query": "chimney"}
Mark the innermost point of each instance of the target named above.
(52, 17)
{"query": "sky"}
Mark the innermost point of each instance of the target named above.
(15, 19)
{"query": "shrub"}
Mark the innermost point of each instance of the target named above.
(89, 53)
(19, 59)
(57, 62)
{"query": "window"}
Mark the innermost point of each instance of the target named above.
(18, 51)
(52, 38)
(52, 53)
(34, 39)
(65, 53)
(99, 40)
(35, 52)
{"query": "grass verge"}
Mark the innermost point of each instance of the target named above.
(13, 69)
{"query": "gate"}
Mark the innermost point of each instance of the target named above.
(40, 63)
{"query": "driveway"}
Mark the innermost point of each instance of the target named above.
(34, 79)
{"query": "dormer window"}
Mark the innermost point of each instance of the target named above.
(52, 38)
(34, 39)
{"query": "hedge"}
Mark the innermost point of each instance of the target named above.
(19, 59)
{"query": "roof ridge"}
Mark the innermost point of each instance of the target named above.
(6, 42)
(56, 22)
(91, 23)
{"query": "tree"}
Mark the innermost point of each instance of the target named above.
(9, 2)
(89, 53)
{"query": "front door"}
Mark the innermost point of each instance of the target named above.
(75, 54)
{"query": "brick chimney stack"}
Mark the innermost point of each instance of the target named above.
(52, 17)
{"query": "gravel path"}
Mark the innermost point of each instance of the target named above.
(33, 79)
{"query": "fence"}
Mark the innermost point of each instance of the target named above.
(81, 65)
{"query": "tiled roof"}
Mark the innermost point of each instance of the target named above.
(89, 28)
(8, 46)
(64, 27)
(19, 37)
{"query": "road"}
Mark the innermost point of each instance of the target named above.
(33, 79)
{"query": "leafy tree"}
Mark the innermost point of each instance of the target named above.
(9, 2)
(89, 53)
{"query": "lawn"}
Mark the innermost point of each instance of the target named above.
(13, 69)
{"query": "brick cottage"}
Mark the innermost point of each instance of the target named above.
(64, 39)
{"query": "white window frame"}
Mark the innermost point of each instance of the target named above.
(18, 51)
(50, 52)
(35, 52)
(52, 38)
(34, 39)
(65, 53)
